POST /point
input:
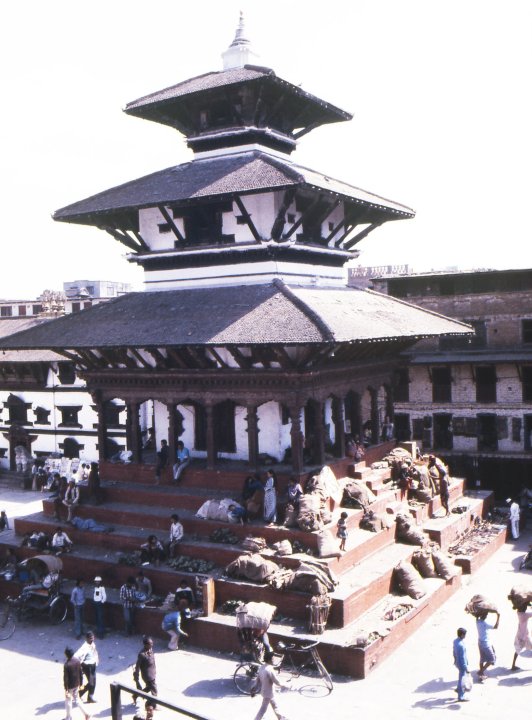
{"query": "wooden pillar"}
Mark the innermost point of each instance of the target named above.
(253, 436)
(134, 425)
(171, 433)
(338, 417)
(375, 434)
(211, 448)
(102, 430)
(296, 439)
(319, 430)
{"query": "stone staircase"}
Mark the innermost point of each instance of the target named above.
(135, 507)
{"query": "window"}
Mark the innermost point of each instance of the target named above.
(67, 373)
(21, 310)
(36, 309)
(486, 384)
(76, 307)
(441, 385)
(111, 414)
(401, 388)
(526, 379)
(18, 410)
(69, 416)
(487, 432)
(41, 416)
(164, 228)
(240, 220)
(526, 331)
(6, 311)
(291, 218)
(87, 305)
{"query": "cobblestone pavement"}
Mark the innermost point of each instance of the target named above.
(420, 675)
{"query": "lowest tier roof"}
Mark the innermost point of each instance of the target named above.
(242, 315)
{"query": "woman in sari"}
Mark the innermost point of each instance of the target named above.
(270, 497)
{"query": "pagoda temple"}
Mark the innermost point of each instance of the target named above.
(247, 342)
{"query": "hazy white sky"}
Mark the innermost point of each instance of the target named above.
(440, 92)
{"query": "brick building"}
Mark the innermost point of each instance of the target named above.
(470, 399)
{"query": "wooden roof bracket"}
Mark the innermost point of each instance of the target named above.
(360, 236)
(278, 224)
(166, 215)
(247, 218)
(302, 217)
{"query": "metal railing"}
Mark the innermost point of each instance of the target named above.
(116, 702)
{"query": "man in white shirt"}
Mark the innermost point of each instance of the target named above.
(176, 534)
(88, 657)
(268, 679)
(61, 542)
(515, 514)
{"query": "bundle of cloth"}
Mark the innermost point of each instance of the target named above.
(218, 510)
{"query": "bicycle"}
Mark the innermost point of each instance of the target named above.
(298, 660)
(7, 620)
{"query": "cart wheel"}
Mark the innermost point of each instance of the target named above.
(58, 610)
(7, 621)
(244, 677)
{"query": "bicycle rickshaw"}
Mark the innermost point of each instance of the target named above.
(292, 660)
(41, 597)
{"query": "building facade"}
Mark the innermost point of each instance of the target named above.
(470, 399)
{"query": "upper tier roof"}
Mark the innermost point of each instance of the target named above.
(217, 177)
(288, 105)
(239, 315)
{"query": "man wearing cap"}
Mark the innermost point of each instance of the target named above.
(88, 657)
(99, 598)
(515, 514)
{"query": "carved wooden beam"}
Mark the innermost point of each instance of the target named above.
(138, 356)
(169, 219)
(122, 237)
(176, 357)
(306, 130)
(285, 361)
(157, 355)
(335, 230)
(303, 216)
(247, 218)
(217, 357)
(242, 361)
(360, 236)
(278, 225)
(348, 229)
(144, 245)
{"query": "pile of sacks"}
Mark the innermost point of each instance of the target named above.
(310, 576)
(480, 604)
(357, 494)
(313, 512)
(407, 531)
(427, 562)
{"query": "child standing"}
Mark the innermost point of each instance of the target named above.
(341, 530)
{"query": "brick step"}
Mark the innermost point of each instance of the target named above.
(156, 495)
(445, 530)
(366, 583)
